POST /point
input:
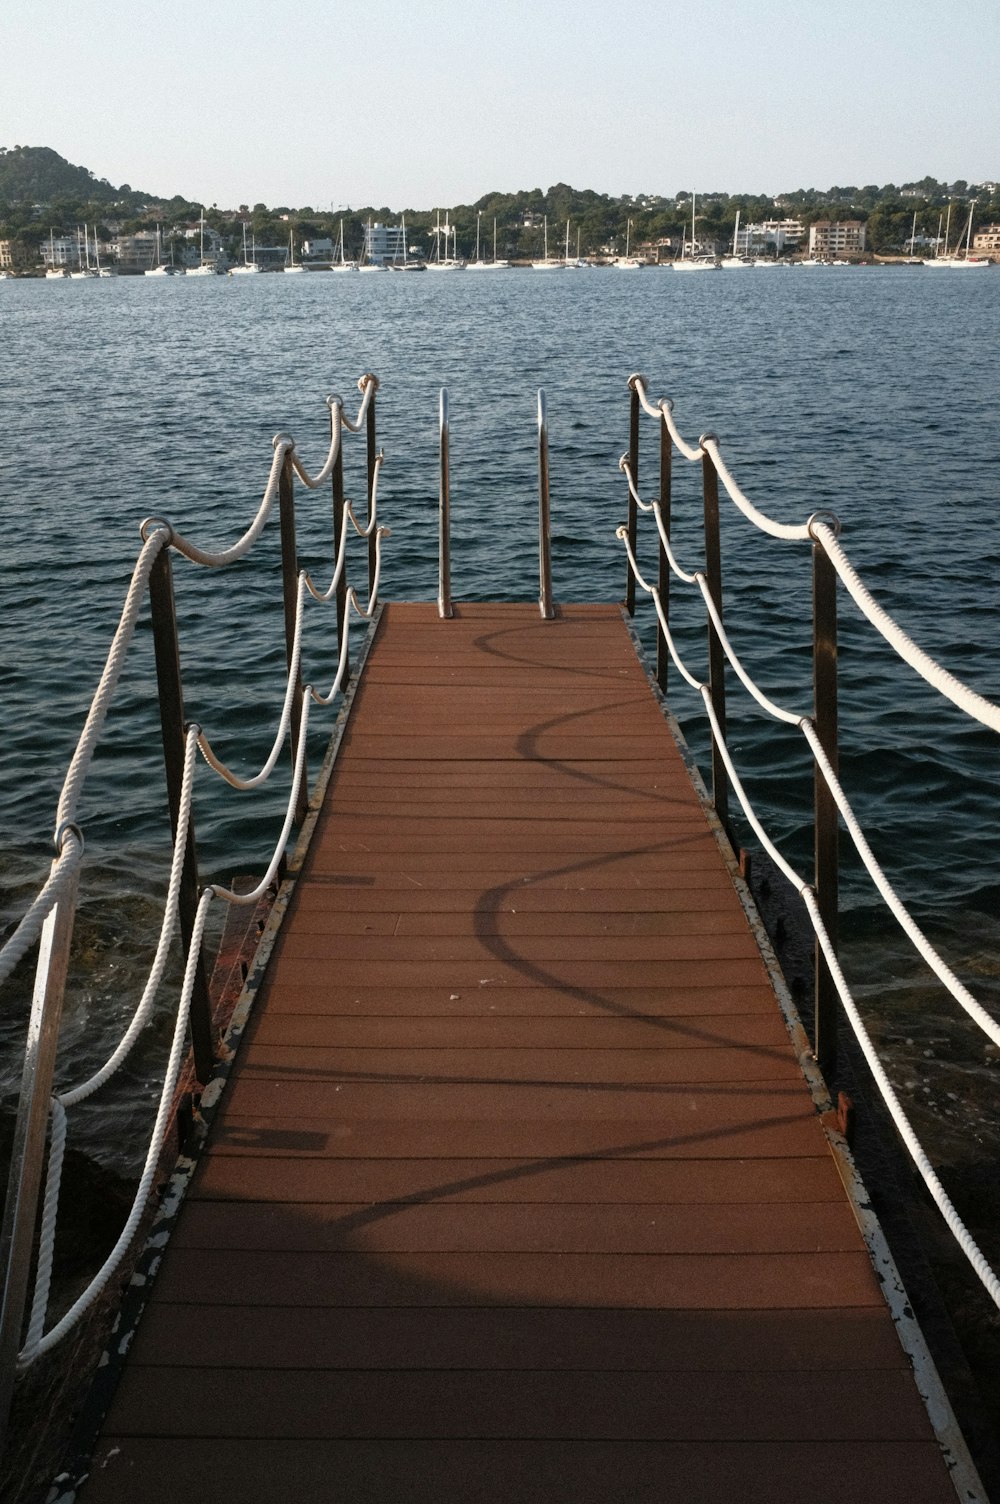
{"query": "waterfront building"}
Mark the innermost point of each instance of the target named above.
(138, 252)
(6, 255)
(845, 237)
(986, 240)
(384, 243)
(60, 251)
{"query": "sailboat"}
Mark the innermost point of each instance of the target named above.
(477, 264)
(204, 268)
(84, 269)
(734, 261)
(955, 259)
(688, 261)
(249, 263)
(628, 263)
(545, 265)
(445, 263)
(573, 262)
(341, 264)
(291, 265)
(403, 261)
(912, 260)
(53, 270)
(162, 268)
(367, 263)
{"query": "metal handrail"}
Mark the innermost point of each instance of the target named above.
(544, 515)
(445, 608)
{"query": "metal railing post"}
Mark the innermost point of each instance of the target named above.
(663, 576)
(337, 482)
(544, 517)
(827, 827)
(445, 608)
(28, 1148)
(633, 510)
(716, 655)
(370, 436)
(171, 697)
(290, 596)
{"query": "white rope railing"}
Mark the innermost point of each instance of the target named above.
(815, 528)
(966, 699)
(157, 534)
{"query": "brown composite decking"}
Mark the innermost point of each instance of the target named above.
(517, 1193)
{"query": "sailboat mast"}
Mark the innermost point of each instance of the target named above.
(947, 231)
(913, 231)
(968, 232)
(566, 256)
(479, 222)
(494, 238)
(736, 232)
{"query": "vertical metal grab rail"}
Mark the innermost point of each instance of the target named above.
(290, 596)
(28, 1147)
(445, 608)
(663, 570)
(633, 510)
(170, 693)
(544, 517)
(826, 820)
(716, 652)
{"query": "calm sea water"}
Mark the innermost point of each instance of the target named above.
(868, 391)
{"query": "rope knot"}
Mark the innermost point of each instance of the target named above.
(369, 378)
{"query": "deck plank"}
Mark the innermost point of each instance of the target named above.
(517, 1191)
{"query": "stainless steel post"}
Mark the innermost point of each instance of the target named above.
(290, 595)
(172, 727)
(633, 510)
(663, 579)
(339, 520)
(28, 1148)
(544, 519)
(444, 511)
(371, 445)
(827, 827)
(716, 654)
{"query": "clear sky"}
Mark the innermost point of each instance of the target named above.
(433, 102)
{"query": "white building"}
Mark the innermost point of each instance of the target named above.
(61, 250)
(987, 239)
(384, 243)
(770, 235)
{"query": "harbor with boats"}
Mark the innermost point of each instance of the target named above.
(897, 752)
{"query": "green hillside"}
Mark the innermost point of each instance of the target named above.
(39, 175)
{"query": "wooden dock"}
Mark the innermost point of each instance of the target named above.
(518, 1193)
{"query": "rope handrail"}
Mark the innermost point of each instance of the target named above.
(825, 537)
(816, 528)
(158, 534)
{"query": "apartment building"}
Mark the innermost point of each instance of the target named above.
(986, 240)
(845, 237)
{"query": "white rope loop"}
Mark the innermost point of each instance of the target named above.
(974, 705)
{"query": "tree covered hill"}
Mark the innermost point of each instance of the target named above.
(39, 175)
